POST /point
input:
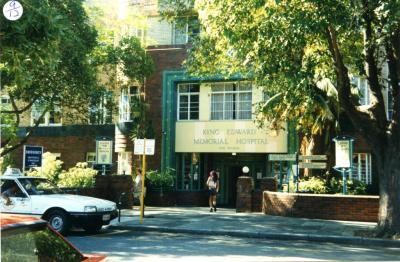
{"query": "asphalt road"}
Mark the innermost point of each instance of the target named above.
(150, 246)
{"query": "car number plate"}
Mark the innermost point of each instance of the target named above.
(106, 217)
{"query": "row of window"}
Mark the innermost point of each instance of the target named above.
(229, 101)
(162, 33)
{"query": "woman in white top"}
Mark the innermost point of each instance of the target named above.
(213, 188)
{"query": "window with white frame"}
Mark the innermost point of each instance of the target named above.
(127, 97)
(362, 167)
(101, 113)
(363, 90)
(91, 159)
(185, 34)
(188, 101)
(231, 100)
(179, 35)
(5, 100)
(51, 118)
(124, 163)
(140, 33)
(5, 105)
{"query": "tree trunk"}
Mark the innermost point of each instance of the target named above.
(389, 190)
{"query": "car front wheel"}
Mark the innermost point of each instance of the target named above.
(58, 220)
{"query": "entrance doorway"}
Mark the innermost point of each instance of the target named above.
(232, 174)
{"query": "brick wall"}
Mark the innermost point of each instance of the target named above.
(334, 207)
(111, 187)
(72, 142)
(165, 58)
(179, 198)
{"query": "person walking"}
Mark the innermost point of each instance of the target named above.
(213, 188)
(138, 188)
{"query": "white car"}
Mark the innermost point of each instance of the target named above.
(38, 197)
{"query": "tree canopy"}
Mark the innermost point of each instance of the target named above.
(45, 59)
(303, 53)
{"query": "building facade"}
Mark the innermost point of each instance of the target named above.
(199, 124)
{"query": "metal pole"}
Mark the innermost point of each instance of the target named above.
(143, 178)
(344, 182)
(297, 172)
(104, 170)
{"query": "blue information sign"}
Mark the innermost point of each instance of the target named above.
(32, 156)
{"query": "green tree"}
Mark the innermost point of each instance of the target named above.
(291, 47)
(122, 57)
(44, 60)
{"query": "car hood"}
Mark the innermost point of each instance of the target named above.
(74, 202)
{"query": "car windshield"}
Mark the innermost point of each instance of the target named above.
(36, 244)
(39, 186)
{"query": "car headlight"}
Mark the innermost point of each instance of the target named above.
(90, 209)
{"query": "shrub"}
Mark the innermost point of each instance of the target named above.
(354, 186)
(161, 180)
(320, 185)
(310, 185)
(51, 168)
(79, 176)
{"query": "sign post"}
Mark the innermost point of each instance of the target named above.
(143, 147)
(104, 151)
(344, 157)
(32, 157)
(297, 158)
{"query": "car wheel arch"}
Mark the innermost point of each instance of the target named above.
(52, 209)
(58, 219)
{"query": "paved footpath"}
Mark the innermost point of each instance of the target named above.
(198, 220)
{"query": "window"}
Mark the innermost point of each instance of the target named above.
(91, 159)
(5, 100)
(5, 119)
(363, 90)
(36, 242)
(186, 33)
(126, 100)
(102, 113)
(51, 118)
(189, 176)
(124, 163)
(188, 101)
(179, 35)
(231, 100)
(362, 168)
(140, 33)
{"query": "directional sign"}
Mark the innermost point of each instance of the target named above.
(315, 165)
(314, 157)
(140, 146)
(282, 157)
(32, 156)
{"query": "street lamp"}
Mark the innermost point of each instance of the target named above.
(245, 170)
(344, 157)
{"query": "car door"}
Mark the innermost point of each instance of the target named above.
(20, 201)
